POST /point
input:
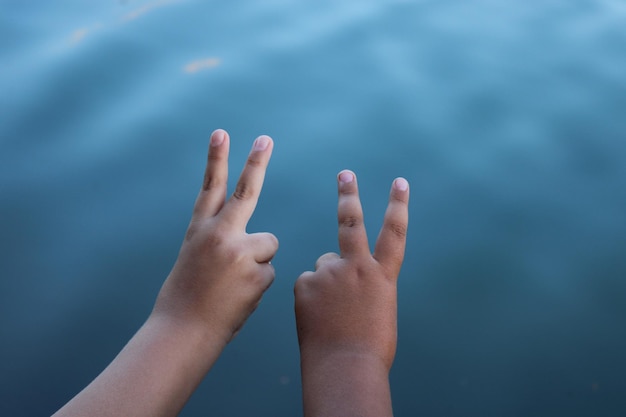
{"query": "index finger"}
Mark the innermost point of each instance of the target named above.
(352, 235)
(389, 250)
(240, 206)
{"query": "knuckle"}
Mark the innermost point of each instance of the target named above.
(263, 280)
(191, 231)
(214, 156)
(195, 226)
(212, 182)
(398, 229)
(243, 191)
(228, 250)
(233, 255)
(350, 221)
(399, 198)
(273, 240)
(254, 161)
(302, 283)
(271, 276)
(325, 259)
(206, 235)
(349, 189)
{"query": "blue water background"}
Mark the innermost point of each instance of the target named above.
(507, 118)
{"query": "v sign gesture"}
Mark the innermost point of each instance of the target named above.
(217, 281)
(346, 311)
(222, 271)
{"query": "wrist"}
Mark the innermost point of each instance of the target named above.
(346, 383)
(344, 359)
(365, 354)
(197, 335)
(172, 309)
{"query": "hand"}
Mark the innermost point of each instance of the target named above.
(347, 307)
(217, 281)
(222, 271)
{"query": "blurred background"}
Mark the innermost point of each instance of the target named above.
(508, 119)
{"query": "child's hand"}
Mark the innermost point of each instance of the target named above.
(346, 312)
(217, 281)
(222, 271)
(348, 305)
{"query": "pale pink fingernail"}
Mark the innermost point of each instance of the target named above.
(261, 143)
(217, 138)
(401, 184)
(346, 177)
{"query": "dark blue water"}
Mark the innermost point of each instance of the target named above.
(509, 120)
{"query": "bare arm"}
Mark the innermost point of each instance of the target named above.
(217, 281)
(346, 312)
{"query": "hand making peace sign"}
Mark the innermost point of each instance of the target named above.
(222, 271)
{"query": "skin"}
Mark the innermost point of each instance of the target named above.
(346, 311)
(216, 283)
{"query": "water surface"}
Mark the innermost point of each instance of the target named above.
(507, 119)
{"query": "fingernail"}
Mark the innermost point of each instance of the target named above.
(217, 138)
(346, 177)
(401, 184)
(261, 143)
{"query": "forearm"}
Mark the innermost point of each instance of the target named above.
(345, 385)
(154, 375)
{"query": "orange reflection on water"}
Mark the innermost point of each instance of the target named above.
(202, 64)
(79, 35)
